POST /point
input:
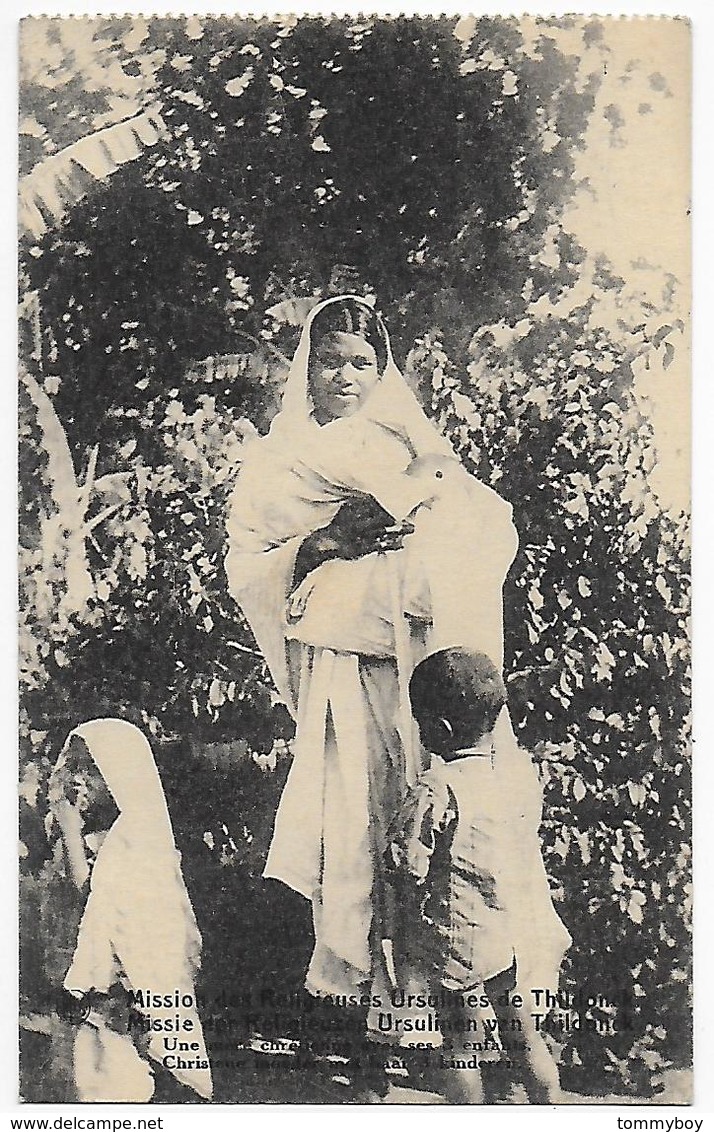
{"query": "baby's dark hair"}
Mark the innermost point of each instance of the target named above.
(456, 696)
(350, 316)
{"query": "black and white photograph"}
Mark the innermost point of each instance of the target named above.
(354, 560)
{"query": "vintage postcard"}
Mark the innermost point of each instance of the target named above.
(354, 549)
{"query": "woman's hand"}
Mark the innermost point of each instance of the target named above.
(360, 527)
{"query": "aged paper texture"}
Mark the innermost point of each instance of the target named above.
(354, 551)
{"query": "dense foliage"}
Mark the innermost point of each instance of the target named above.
(170, 300)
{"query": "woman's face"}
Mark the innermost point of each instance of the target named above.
(343, 371)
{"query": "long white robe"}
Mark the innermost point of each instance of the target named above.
(343, 668)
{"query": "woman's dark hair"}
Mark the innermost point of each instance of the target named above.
(456, 696)
(350, 316)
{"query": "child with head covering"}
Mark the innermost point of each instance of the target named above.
(138, 936)
(486, 921)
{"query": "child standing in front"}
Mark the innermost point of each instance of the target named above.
(492, 932)
(137, 937)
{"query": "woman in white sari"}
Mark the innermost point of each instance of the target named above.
(425, 572)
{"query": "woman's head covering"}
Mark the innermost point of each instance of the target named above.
(138, 927)
(347, 313)
(391, 405)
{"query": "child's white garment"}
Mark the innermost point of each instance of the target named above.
(138, 930)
